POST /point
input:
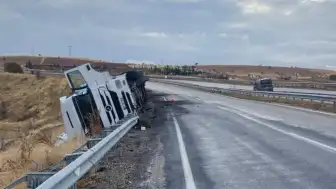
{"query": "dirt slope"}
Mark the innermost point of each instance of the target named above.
(43, 62)
(30, 121)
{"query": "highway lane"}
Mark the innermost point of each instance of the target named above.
(228, 86)
(232, 143)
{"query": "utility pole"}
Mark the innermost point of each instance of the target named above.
(69, 49)
(32, 51)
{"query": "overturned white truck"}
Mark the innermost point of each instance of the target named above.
(98, 94)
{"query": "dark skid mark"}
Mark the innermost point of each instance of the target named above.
(155, 94)
(176, 103)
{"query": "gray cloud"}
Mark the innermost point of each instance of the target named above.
(272, 32)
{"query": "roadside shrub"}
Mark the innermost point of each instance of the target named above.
(12, 67)
(3, 110)
(332, 77)
(223, 76)
(287, 78)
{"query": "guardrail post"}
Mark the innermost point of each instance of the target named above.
(34, 179)
(91, 142)
(334, 104)
(106, 132)
(72, 157)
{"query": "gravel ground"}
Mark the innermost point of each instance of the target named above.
(137, 160)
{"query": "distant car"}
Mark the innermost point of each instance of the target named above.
(264, 84)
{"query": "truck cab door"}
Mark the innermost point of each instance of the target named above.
(72, 123)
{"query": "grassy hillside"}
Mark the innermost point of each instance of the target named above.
(30, 121)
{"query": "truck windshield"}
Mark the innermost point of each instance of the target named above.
(76, 79)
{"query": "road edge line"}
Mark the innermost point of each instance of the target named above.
(188, 176)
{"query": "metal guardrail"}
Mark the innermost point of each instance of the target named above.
(285, 92)
(316, 94)
(78, 164)
(42, 72)
(324, 98)
(306, 85)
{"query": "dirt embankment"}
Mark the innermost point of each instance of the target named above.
(267, 71)
(49, 62)
(30, 122)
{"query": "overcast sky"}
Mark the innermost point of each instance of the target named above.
(268, 32)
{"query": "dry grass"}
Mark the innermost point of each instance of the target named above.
(25, 96)
(30, 121)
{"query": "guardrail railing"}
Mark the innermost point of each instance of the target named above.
(80, 163)
(322, 98)
(284, 92)
(298, 84)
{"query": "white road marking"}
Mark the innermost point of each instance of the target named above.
(299, 137)
(188, 176)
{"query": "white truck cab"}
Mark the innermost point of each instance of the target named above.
(106, 97)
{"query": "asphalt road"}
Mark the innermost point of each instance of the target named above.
(213, 141)
(228, 86)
